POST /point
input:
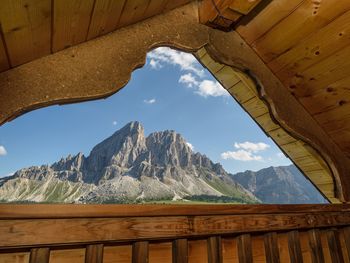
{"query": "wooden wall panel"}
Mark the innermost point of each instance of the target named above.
(283, 246)
(117, 254)
(258, 249)
(22, 257)
(105, 17)
(161, 252)
(197, 251)
(67, 256)
(71, 22)
(229, 250)
(26, 27)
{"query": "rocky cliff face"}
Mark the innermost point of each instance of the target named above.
(279, 185)
(126, 167)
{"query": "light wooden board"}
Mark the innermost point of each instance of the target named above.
(71, 22)
(105, 17)
(267, 18)
(26, 27)
(307, 18)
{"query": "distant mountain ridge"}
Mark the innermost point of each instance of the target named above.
(129, 167)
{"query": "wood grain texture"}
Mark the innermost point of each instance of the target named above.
(75, 255)
(346, 232)
(244, 248)
(140, 252)
(295, 253)
(117, 254)
(94, 253)
(334, 246)
(318, 15)
(271, 247)
(160, 252)
(105, 17)
(70, 22)
(271, 15)
(39, 255)
(180, 251)
(316, 246)
(197, 251)
(19, 233)
(214, 250)
(25, 22)
(56, 211)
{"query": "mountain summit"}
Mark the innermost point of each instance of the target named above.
(127, 167)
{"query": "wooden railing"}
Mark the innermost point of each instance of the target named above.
(174, 233)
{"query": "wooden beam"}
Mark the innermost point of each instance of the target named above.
(56, 211)
(223, 14)
(41, 232)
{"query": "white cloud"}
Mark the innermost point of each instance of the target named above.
(211, 88)
(155, 64)
(170, 56)
(189, 80)
(114, 123)
(190, 145)
(241, 155)
(150, 101)
(252, 147)
(3, 151)
(246, 151)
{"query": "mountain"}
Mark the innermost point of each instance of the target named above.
(127, 167)
(278, 185)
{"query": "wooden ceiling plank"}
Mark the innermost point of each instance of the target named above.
(321, 75)
(171, 4)
(71, 22)
(4, 61)
(156, 7)
(267, 18)
(105, 17)
(133, 12)
(26, 30)
(243, 6)
(325, 99)
(307, 18)
(318, 46)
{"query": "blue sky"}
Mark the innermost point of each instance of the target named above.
(172, 91)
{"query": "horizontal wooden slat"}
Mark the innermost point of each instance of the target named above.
(40, 232)
(16, 211)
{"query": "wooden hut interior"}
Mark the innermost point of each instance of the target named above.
(287, 63)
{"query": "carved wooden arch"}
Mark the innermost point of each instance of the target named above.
(97, 69)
